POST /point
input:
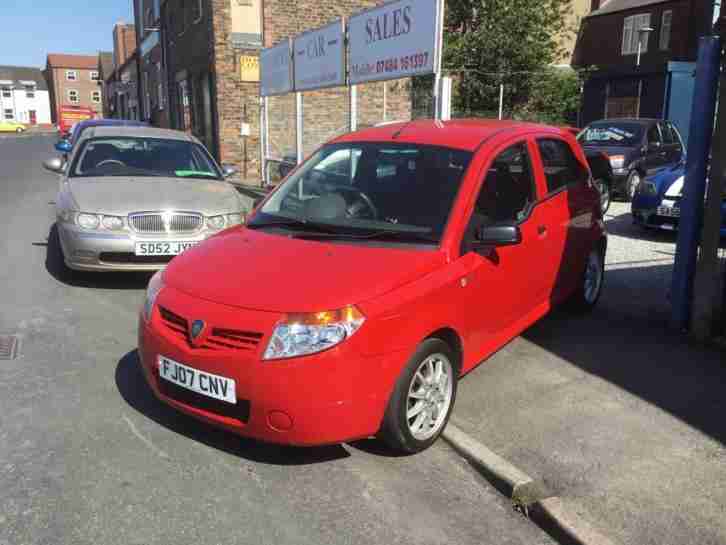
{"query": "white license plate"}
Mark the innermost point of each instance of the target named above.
(667, 211)
(206, 384)
(162, 248)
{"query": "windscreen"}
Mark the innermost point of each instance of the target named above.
(611, 134)
(140, 157)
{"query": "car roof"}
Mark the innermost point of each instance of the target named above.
(464, 134)
(111, 122)
(138, 132)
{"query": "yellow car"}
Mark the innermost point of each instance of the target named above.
(11, 126)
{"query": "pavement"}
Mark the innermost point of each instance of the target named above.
(87, 456)
(619, 418)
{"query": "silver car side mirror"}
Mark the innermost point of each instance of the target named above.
(54, 164)
(228, 171)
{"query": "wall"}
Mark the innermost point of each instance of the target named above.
(41, 105)
(124, 43)
(577, 10)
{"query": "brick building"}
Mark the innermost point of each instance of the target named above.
(152, 69)
(203, 45)
(124, 42)
(74, 80)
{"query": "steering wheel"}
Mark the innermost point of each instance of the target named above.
(110, 161)
(359, 203)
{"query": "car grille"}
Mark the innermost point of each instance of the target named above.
(218, 339)
(162, 223)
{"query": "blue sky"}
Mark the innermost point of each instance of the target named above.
(30, 29)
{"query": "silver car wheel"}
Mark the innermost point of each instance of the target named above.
(634, 183)
(593, 277)
(429, 396)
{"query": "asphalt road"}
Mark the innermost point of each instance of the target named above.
(87, 456)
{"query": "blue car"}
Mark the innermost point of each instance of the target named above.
(67, 143)
(656, 203)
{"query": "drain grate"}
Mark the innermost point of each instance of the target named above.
(8, 347)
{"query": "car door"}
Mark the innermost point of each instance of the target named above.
(656, 155)
(567, 213)
(506, 282)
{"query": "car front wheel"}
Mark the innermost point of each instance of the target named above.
(422, 400)
(590, 285)
(631, 185)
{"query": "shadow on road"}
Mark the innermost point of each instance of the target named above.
(133, 388)
(56, 267)
(622, 225)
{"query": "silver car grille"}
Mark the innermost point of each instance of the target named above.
(166, 222)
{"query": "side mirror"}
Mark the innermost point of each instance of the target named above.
(54, 164)
(228, 171)
(64, 146)
(498, 235)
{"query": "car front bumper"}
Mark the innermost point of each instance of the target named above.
(645, 213)
(98, 251)
(326, 398)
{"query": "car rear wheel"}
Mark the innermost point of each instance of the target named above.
(590, 286)
(422, 400)
(631, 185)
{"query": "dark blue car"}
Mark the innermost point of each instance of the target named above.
(67, 143)
(657, 200)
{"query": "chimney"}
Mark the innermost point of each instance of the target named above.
(594, 4)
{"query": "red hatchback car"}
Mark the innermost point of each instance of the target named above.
(385, 267)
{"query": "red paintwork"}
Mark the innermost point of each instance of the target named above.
(247, 279)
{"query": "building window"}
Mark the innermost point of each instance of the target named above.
(30, 91)
(96, 96)
(196, 11)
(71, 75)
(631, 33)
(9, 114)
(94, 76)
(7, 92)
(73, 96)
(665, 30)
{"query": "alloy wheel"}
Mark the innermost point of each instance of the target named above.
(593, 277)
(429, 396)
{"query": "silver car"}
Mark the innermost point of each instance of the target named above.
(131, 198)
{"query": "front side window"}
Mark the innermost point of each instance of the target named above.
(404, 192)
(654, 135)
(71, 75)
(7, 92)
(561, 167)
(665, 30)
(144, 157)
(509, 189)
(96, 96)
(668, 137)
(8, 114)
(631, 33)
(73, 96)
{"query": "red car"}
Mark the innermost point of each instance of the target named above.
(384, 268)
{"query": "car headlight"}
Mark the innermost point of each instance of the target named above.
(647, 188)
(152, 292)
(617, 161)
(88, 221)
(112, 223)
(216, 222)
(303, 334)
(234, 219)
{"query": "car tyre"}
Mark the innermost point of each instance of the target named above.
(631, 185)
(423, 397)
(18, 130)
(591, 282)
(606, 195)
(55, 259)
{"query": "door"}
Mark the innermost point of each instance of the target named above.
(567, 213)
(505, 284)
(33, 117)
(656, 154)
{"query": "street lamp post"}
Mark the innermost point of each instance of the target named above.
(642, 32)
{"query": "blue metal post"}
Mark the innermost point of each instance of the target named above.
(694, 187)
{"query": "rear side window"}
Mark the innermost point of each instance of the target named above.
(561, 167)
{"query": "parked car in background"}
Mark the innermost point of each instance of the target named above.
(394, 260)
(602, 172)
(11, 126)
(637, 148)
(65, 145)
(131, 198)
(657, 201)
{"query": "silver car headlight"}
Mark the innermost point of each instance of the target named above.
(216, 222)
(304, 334)
(112, 223)
(88, 221)
(152, 292)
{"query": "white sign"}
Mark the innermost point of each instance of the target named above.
(276, 69)
(396, 40)
(320, 57)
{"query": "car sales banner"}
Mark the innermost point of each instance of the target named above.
(276, 69)
(397, 40)
(319, 57)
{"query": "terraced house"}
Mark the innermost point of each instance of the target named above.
(24, 95)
